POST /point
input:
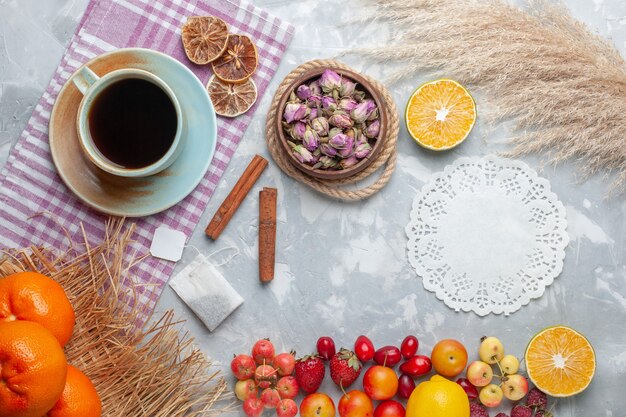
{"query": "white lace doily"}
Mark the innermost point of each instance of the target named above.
(487, 235)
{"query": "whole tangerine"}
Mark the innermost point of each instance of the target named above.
(33, 369)
(35, 297)
(79, 397)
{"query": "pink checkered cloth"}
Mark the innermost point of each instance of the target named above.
(29, 183)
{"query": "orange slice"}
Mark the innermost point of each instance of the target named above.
(440, 114)
(204, 38)
(238, 62)
(560, 361)
(229, 99)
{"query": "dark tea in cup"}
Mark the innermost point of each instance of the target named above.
(133, 123)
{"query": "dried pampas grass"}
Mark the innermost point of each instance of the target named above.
(152, 371)
(562, 86)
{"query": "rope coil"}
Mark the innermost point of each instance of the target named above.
(335, 188)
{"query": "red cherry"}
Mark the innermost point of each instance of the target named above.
(388, 356)
(364, 348)
(468, 387)
(406, 385)
(417, 366)
(409, 347)
(325, 347)
(389, 408)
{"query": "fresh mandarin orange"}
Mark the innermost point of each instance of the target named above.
(79, 397)
(35, 297)
(32, 369)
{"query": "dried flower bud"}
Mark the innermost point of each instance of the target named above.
(347, 87)
(341, 120)
(362, 148)
(320, 125)
(329, 103)
(297, 131)
(303, 92)
(358, 95)
(310, 140)
(328, 150)
(313, 113)
(373, 129)
(347, 104)
(293, 98)
(314, 101)
(302, 154)
(374, 115)
(343, 143)
(348, 162)
(363, 111)
(335, 131)
(326, 162)
(330, 81)
(314, 86)
(295, 111)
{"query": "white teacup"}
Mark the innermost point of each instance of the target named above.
(91, 85)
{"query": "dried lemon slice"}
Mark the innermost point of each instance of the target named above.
(238, 62)
(440, 114)
(204, 38)
(231, 100)
(560, 361)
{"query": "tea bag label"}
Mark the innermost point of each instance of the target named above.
(168, 244)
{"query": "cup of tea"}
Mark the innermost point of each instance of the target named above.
(129, 121)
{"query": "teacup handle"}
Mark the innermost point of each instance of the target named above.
(85, 79)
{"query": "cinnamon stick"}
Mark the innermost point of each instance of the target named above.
(236, 197)
(267, 233)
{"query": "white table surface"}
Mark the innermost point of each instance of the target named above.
(341, 268)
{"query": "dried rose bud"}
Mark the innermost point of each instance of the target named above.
(314, 101)
(373, 129)
(314, 87)
(302, 154)
(303, 92)
(297, 132)
(373, 115)
(362, 148)
(310, 140)
(358, 95)
(295, 111)
(347, 104)
(347, 87)
(313, 113)
(293, 98)
(328, 150)
(320, 125)
(343, 143)
(334, 131)
(348, 162)
(326, 162)
(363, 111)
(330, 81)
(341, 120)
(329, 103)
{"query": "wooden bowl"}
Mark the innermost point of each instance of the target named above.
(330, 174)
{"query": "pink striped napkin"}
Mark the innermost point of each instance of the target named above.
(29, 183)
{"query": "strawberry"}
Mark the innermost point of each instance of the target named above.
(345, 368)
(310, 372)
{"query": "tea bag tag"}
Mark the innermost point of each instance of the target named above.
(168, 244)
(205, 291)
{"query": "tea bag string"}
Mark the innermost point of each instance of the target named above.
(212, 254)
